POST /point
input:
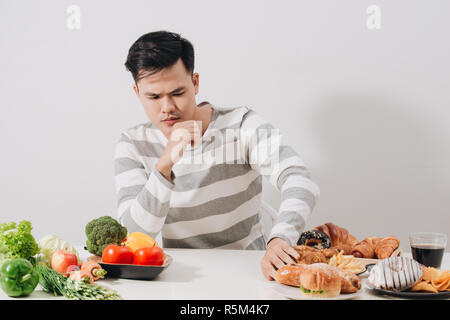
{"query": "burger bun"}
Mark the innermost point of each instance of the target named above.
(320, 280)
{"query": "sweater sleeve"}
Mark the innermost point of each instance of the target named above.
(282, 166)
(142, 199)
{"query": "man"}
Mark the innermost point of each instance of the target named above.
(194, 172)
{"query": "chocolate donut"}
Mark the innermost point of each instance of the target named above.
(315, 238)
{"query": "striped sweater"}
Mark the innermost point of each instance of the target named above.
(214, 199)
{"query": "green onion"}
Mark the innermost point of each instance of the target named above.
(60, 285)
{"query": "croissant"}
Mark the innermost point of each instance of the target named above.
(366, 248)
(341, 239)
(386, 246)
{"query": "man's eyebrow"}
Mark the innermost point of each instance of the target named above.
(173, 91)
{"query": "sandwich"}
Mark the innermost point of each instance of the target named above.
(320, 280)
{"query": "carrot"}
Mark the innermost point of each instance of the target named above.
(81, 275)
(93, 269)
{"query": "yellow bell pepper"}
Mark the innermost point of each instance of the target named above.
(137, 240)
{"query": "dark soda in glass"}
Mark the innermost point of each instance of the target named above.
(429, 255)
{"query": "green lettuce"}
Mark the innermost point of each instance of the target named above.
(310, 291)
(16, 241)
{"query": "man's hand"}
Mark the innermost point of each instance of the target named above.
(278, 254)
(182, 133)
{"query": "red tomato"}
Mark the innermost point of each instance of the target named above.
(114, 253)
(153, 256)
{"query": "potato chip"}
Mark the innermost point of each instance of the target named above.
(433, 275)
(433, 280)
(424, 286)
(441, 276)
(441, 286)
(427, 274)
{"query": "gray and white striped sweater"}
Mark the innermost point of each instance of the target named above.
(214, 200)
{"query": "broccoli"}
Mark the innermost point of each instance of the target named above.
(103, 231)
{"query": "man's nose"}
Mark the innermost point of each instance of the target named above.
(167, 105)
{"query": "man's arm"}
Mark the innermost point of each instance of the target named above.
(143, 200)
(285, 170)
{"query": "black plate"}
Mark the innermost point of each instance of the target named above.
(134, 271)
(410, 294)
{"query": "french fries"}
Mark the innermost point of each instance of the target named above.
(346, 262)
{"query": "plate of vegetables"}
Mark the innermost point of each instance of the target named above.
(126, 255)
(138, 257)
(136, 271)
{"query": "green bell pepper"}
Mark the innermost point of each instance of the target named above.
(18, 277)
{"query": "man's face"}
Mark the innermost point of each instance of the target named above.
(168, 94)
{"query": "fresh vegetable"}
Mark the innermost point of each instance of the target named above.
(72, 268)
(16, 241)
(136, 240)
(18, 277)
(5, 256)
(50, 243)
(149, 256)
(310, 291)
(103, 231)
(93, 269)
(114, 253)
(62, 259)
(81, 275)
(58, 284)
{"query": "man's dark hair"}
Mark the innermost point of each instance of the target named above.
(157, 50)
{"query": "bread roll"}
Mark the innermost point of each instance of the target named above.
(321, 279)
(290, 274)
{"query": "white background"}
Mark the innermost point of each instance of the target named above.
(368, 110)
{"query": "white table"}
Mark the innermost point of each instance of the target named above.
(199, 274)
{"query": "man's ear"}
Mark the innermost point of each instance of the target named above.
(195, 81)
(136, 89)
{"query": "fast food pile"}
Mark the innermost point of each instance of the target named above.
(329, 255)
(329, 262)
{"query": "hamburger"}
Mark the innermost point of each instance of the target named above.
(320, 280)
